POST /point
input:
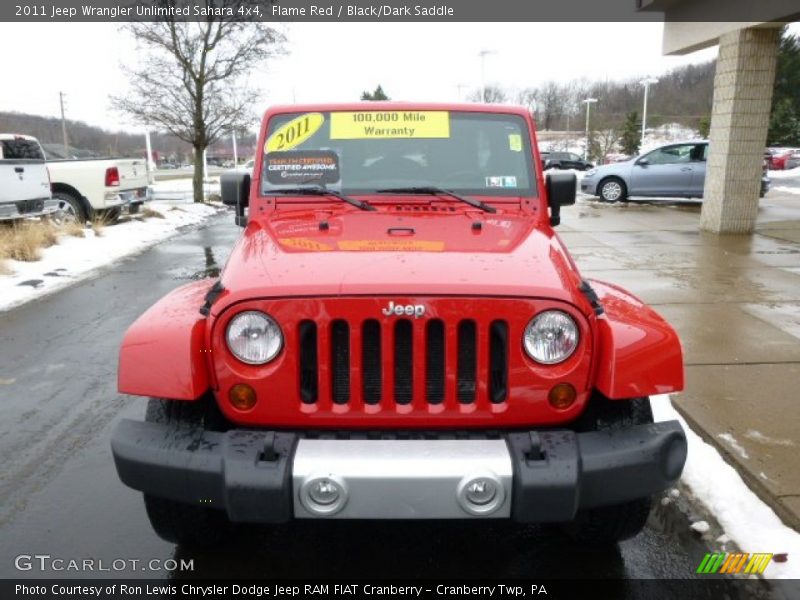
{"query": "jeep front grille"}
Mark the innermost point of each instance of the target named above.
(389, 360)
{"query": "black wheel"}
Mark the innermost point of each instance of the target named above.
(70, 209)
(612, 189)
(611, 524)
(173, 521)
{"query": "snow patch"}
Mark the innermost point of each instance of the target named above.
(757, 436)
(750, 523)
(727, 437)
(700, 526)
(74, 259)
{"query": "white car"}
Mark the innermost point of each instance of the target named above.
(85, 188)
(24, 181)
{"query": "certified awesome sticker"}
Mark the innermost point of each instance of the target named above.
(302, 167)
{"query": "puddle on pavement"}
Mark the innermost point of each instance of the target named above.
(211, 269)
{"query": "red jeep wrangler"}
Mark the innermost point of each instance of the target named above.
(399, 334)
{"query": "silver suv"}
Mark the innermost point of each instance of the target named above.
(675, 170)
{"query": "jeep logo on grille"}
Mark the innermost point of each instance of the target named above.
(411, 310)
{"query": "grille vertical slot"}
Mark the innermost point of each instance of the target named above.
(340, 361)
(309, 386)
(434, 362)
(467, 358)
(498, 361)
(371, 375)
(403, 362)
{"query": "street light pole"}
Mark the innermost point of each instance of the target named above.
(588, 102)
(235, 153)
(483, 54)
(646, 83)
(64, 137)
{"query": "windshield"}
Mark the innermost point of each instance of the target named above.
(365, 151)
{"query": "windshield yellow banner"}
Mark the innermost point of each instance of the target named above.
(370, 125)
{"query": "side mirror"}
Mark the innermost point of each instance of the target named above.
(643, 162)
(562, 188)
(235, 190)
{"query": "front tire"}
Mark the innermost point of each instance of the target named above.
(606, 525)
(176, 522)
(612, 189)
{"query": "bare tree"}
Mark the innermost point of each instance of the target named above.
(192, 81)
(493, 94)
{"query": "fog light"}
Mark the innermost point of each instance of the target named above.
(480, 494)
(323, 495)
(562, 396)
(242, 396)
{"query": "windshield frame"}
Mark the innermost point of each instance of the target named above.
(533, 189)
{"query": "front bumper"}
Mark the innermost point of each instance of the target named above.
(265, 476)
(588, 186)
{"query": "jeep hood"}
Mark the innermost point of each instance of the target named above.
(398, 252)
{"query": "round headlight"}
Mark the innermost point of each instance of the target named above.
(551, 337)
(254, 338)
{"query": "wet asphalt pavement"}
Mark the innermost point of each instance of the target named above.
(59, 493)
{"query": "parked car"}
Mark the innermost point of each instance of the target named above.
(566, 160)
(677, 170)
(86, 188)
(794, 160)
(24, 180)
(779, 158)
(353, 336)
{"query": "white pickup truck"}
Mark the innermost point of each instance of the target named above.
(24, 182)
(104, 187)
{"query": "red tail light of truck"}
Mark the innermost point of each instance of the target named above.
(112, 177)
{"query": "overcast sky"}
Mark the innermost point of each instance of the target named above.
(335, 62)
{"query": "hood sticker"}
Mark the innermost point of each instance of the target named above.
(295, 132)
(370, 125)
(310, 245)
(302, 167)
(392, 245)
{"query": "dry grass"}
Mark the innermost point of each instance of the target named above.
(98, 224)
(74, 229)
(24, 241)
(149, 213)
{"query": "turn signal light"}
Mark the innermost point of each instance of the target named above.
(562, 396)
(242, 397)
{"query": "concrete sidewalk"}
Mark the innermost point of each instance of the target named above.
(735, 302)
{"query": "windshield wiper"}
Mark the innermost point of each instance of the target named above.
(318, 190)
(437, 191)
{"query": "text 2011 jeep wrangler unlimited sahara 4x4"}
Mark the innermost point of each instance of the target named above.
(399, 334)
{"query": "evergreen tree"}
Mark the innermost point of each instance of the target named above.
(631, 134)
(378, 94)
(784, 123)
(704, 127)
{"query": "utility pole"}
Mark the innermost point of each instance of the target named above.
(235, 152)
(588, 102)
(483, 54)
(64, 137)
(646, 83)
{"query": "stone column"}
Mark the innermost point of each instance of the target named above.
(743, 86)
